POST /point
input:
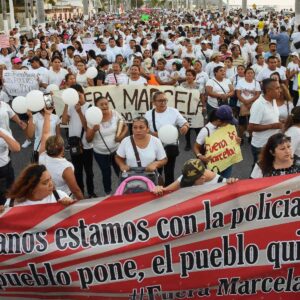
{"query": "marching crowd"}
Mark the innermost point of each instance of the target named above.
(244, 67)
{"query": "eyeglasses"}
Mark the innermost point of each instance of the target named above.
(161, 100)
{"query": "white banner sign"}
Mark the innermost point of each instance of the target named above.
(134, 101)
(19, 83)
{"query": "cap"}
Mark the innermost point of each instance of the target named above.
(17, 60)
(204, 42)
(295, 54)
(167, 53)
(191, 171)
(148, 62)
(215, 54)
(224, 113)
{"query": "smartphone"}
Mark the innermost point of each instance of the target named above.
(49, 103)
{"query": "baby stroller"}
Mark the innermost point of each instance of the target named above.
(136, 180)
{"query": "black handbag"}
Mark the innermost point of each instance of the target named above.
(297, 45)
(75, 143)
(35, 155)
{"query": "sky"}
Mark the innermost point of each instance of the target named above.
(288, 3)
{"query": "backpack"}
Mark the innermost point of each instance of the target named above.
(135, 184)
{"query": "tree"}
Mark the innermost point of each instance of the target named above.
(137, 3)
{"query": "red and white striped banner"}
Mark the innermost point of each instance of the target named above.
(238, 241)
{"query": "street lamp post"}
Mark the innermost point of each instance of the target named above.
(220, 5)
(297, 14)
(11, 14)
(27, 15)
(4, 13)
(40, 12)
(244, 7)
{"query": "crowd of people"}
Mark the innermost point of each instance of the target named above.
(244, 67)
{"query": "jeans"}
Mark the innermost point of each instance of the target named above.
(188, 135)
(227, 172)
(255, 152)
(84, 160)
(209, 109)
(7, 177)
(105, 161)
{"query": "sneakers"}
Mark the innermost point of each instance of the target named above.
(93, 196)
(26, 144)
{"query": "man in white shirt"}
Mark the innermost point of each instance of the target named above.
(272, 68)
(116, 77)
(113, 50)
(264, 116)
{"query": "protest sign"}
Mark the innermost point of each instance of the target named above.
(214, 242)
(133, 101)
(223, 148)
(4, 41)
(19, 83)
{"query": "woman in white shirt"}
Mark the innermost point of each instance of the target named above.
(292, 71)
(35, 127)
(292, 129)
(219, 89)
(162, 115)
(284, 101)
(35, 186)
(51, 154)
(134, 76)
(81, 77)
(7, 143)
(247, 91)
(150, 149)
(106, 139)
(56, 74)
(7, 114)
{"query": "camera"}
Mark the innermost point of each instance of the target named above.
(49, 103)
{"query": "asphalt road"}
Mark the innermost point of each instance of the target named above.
(21, 159)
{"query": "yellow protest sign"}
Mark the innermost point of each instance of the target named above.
(223, 148)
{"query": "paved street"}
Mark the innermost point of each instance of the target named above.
(21, 159)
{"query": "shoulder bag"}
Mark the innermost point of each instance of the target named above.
(221, 101)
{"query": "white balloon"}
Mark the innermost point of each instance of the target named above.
(70, 96)
(91, 72)
(35, 100)
(52, 87)
(19, 105)
(93, 116)
(168, 134)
